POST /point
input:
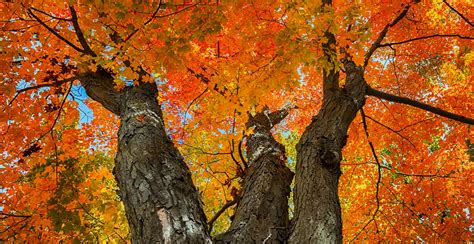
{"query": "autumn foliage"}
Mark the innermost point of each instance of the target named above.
(406, 172)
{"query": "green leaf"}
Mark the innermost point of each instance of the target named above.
(120, 15)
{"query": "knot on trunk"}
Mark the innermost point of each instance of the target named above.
(330, 152)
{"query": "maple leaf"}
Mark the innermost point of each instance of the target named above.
(192, 74)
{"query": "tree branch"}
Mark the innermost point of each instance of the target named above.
(56, 84)
(240, 171)
(390, 129)
(189, 107)
(221, 211)
(382, 34)
(146, 23)
(15, 215)
(437, 175)
(425, 37)
(179, 11)
(379, 176)
(241, 155)
(56, 33)
(207, 81)
(59, 113)
(331, 76)
(49, 15)
(460, 15)
(79, 33)
(157, 16)
(99, 86)
(398, 99)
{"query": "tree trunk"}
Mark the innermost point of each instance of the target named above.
(317, 216)
(161, 203)
(261, 215)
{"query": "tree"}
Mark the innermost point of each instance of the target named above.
(219, 71)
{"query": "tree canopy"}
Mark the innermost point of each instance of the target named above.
(406, 160)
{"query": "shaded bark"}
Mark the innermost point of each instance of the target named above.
(317, 216)
(162, 205)
(99, 86)
(261, 215)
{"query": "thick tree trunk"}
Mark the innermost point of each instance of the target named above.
(261, 215)
(317, 210)
(161, 203)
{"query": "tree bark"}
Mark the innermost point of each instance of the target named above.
(317, 216)
(162, 205)
(261, 215)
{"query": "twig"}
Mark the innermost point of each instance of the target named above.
(390, 129)
(189, 106)
(157, 16)
(413, 124)
(9, 227)
(437, 175)
(207, 81)
(418, 218)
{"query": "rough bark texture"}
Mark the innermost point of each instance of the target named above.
(162, 205)
(317, 209)
(261, 215)
(100, 87)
